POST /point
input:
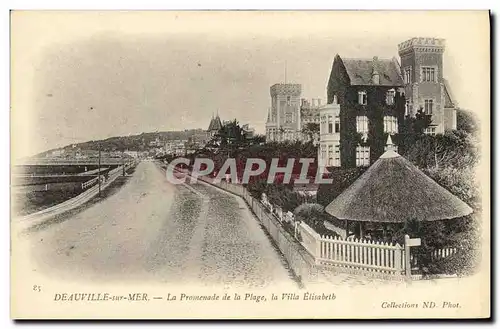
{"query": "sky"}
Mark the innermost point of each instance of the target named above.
(78, 76)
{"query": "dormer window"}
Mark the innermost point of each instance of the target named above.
(362, 98)
(389, 97)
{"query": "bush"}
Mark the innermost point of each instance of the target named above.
(460, 182)
(256, 187)
(314, 216)
(283, 196)
(460, 233)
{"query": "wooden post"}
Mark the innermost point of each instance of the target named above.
(317, 237)
(99, 170)
(407, 258)
(361, 233)
(346, 229)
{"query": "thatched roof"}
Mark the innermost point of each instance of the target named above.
(393, 190)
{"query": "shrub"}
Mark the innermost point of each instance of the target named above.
(256, 187)
(460, 182)
(314, 216)
(283, 196)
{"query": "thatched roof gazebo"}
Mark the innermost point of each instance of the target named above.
(393, 190)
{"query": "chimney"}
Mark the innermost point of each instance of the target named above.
(375, 74)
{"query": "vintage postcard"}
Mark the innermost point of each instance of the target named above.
(250, 165)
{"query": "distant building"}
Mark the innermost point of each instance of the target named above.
(248, 131)
(56, 153)
(176, 147)
(309, 114)
(283, 118)
(214, 126)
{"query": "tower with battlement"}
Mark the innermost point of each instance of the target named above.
(283, 119)
(425, 87)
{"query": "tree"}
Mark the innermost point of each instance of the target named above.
(467, 121)
(411, 129)
(258, 139)
(311, 129)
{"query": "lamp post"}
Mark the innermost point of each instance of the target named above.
(99, 169)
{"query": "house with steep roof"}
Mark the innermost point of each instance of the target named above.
(365, 105)
(375, 95)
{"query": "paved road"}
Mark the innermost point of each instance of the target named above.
(152, 230)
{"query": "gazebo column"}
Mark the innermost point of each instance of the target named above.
(346, 228)
(384, 230)
(361, 230)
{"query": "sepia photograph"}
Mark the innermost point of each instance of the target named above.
(250, 164)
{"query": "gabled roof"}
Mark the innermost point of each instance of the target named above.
(449, 100)
(360, 71)
(393, 190)
(215, 124)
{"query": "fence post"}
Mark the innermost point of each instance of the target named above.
(397, 258)
(407, 258)
(317, 237)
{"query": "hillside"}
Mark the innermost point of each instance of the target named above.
(141, 142)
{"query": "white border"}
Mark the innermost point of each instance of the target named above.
(186, 5)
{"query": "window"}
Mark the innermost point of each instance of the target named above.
(288, 100)
(323, 151)
(407, 107)
(362, 99)
(428, 106)
(323, 125)
(330, 155)
(408, 75)
(389, 97)
(337, 124)
(390, 125)
(336, 162)
(362, 156)
(330, 124)
(362, 124)
(428, 74)
(430, 131)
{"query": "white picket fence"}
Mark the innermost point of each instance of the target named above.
(377, 256)
(89, 183)
(361, 254)
(443, 253)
